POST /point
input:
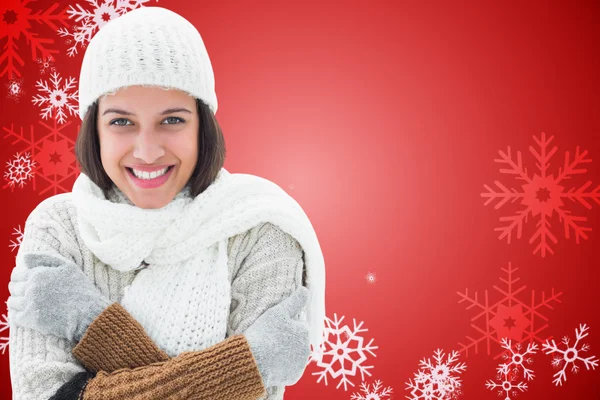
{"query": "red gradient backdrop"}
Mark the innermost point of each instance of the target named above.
(392, 123)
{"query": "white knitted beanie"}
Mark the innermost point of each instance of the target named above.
(149, 46)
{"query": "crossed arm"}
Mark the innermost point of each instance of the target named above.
(123, 362)
(42, 364)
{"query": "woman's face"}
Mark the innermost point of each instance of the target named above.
(143, 131)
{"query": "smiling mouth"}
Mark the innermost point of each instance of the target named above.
(150, 183)
(130, 170)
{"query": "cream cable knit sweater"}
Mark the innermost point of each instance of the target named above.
(265, 265)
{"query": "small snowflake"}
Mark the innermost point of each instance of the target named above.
(57, 98)
(14, 89)
(371, 277)
(570, 355)
(372, 394)
(15, 243)
(518, 359)
(94, 19)
(543, 195)
(4, 339)
(338, 356)
(507, 384)
(46, 64)
(19, 170)
(437, 381)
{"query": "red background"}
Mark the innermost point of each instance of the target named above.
(383, 120)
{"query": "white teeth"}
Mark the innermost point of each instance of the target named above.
(149, 175)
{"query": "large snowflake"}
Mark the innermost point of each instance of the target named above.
(376, 393)
(439, 380)
(53, 151)
(19, 170)
(93, 19)
(511, 315)
(17, 20)
(343, 352)
(570, 355)
(543, 194)
(57, 98)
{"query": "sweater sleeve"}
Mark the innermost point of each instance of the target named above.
(116, 340)
(268, 269)
(120, 355)
(225, 371)
(39, 364)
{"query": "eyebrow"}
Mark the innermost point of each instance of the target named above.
(167, 111)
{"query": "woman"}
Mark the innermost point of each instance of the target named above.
(161, 273)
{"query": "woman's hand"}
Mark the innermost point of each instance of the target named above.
(280, 342)
(51, 294)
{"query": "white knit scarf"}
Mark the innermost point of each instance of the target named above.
(185, 235)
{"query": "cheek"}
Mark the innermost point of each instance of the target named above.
(186, 151)
(192, 155)
(111, 151)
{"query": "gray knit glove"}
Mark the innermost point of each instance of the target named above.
(52, 295)
(279, 341)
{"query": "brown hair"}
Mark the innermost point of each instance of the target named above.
(211, 150)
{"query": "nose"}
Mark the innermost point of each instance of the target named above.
(148, 147)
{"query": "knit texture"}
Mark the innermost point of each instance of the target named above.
(75, 388)
(184, 244)
(190, 375)
(265, 265)
(115, 340)
(149, 46)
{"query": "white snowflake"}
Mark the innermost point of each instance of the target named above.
(14, 89)
(92, 20)
(371, 277)
(57, 98)
(518, 359)
(437, 381)
(506, 385)
(14, 244)
(570, 355)
(376, 393)
(19, 170)
(338, 357)
(46, 65)
(3, 339)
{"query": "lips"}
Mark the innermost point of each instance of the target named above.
(147, 170)
(149, 183)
